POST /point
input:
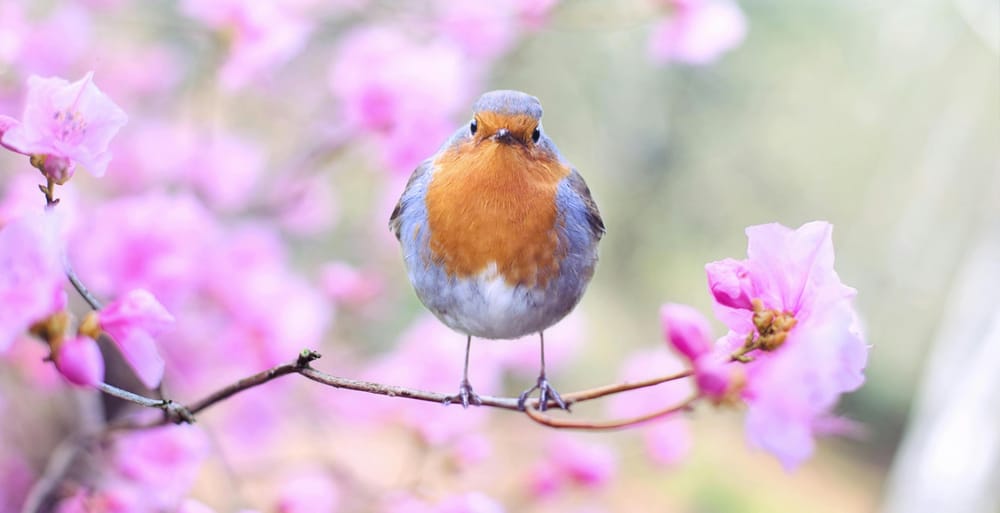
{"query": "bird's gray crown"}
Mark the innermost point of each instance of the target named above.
(509, 102)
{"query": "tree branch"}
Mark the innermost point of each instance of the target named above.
(179, 414)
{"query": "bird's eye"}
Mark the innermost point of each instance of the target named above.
(536, 135)
(473, 126)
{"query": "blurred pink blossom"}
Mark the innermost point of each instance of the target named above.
(698, 31)
(66, 124)
(792, 388)
(154, 241)
(402, 90)
(471, 449)
(305, 205)
(193, 506)
(588, 464)
(42, 48)
(17, 478)
(31, 274)
(162, 463)
(132, 321)
(225, 169)
(262, 35)
(470, 502)
(534, 14)
(79, 360)
(484, 30)
(429, 356)
(346, 284)
(308, 491)
(667, 440)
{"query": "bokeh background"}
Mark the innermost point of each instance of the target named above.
(881, 117)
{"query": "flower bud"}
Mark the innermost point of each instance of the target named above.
(729, 281)
(686, 330)
(80, 361)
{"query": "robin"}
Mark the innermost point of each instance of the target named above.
(499, 232)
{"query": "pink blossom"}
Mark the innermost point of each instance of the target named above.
(64, 124)
(31, 274)
(79, 360)
(795, 380)
(698, 32)
(545, 479)
(309, 491)
(263, 34)
(132, 321)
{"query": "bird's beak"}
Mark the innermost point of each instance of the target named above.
(504, 136)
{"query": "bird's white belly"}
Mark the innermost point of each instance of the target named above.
(486, 305)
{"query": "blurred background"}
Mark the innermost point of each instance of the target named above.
(285, 136)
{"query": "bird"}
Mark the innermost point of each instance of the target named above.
(499, 232)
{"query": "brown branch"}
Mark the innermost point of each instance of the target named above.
(178, 414)
(607, 425)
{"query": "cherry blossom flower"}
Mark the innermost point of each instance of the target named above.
(803, 322)
(65, 124)
(132, 321)
(79, 360)
(31, 274)
(698, 31)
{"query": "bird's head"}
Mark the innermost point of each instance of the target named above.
(509, 118)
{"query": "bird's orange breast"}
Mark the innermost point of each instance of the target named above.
(494, 204)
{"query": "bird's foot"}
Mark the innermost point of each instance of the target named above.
(465, 395)
(545, 394)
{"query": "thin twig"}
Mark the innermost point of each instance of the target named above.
(177, 413)
(81, 288)
(59, 464)
(607, 425)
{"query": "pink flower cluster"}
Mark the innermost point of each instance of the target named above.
(792, 321)
(698, 32)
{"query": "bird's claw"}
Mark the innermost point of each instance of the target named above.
(465, 396)
(545, 393)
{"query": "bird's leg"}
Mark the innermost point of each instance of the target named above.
(465, 393)
(545, 390)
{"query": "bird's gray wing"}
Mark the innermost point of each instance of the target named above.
(396, 219)
(593, 215)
